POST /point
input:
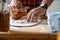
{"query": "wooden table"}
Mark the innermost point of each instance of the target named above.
(39, 32)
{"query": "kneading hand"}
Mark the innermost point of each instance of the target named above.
(35, 13)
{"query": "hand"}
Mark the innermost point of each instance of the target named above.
(35, 13)
(15, 4)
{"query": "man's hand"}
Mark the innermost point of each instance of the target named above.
(35, 13)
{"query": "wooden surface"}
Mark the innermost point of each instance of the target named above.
(40, 28)
(28, 36)
(58, 36)
(40, 31)
(26, 32)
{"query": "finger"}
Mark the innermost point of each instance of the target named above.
(29, 15)
(34, 19)
(33, 16)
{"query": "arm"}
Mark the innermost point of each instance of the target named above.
(48, 2)
(40, 11)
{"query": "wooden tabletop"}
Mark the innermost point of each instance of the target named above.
(38, 31)
(40, 28)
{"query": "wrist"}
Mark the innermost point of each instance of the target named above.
(43, 5)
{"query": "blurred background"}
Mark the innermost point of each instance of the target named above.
(55, 6)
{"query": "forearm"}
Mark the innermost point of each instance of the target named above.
(48, 2)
